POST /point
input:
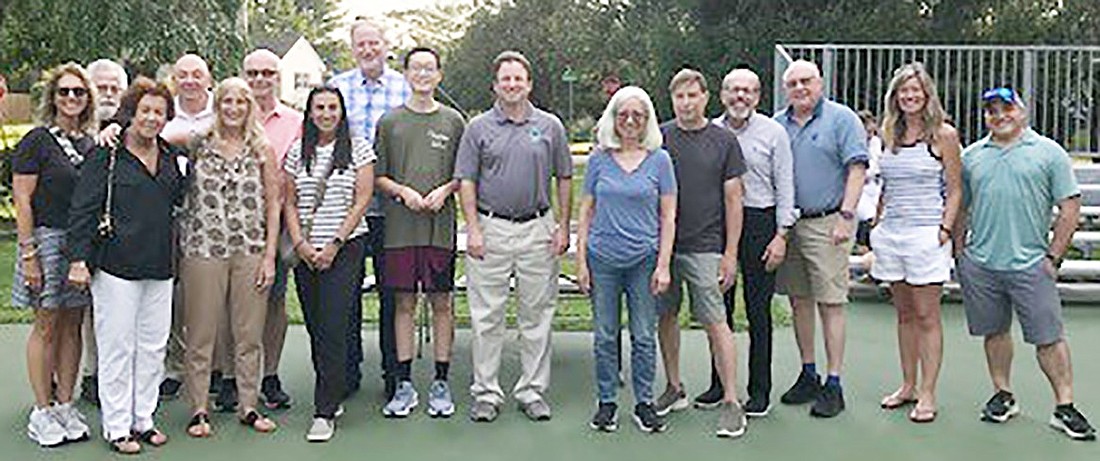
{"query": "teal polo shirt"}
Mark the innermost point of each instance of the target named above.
(1009, 193)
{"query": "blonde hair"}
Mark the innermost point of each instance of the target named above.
(47, 110)
(685, 76)
(608, 138)
(893, 120)
(254, 137)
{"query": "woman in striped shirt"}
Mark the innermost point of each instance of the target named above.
(329, 181)
(922, 177)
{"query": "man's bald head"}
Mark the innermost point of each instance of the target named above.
(261, 71)
(802, 81)
(802, 67)
(192, 76)
(263, 55)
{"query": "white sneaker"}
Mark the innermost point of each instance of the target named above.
(72, 420)
(44, 428)
(322, 430)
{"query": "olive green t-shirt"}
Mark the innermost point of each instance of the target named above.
(418, 150)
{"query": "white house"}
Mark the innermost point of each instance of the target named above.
(302, 69)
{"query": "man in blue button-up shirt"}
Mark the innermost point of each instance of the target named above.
(830, 158)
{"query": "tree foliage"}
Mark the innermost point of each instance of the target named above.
(277, 24)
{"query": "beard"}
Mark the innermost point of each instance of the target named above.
(739, 113)
(105, 112)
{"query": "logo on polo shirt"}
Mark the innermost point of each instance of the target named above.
(438, 140)
(536, 134)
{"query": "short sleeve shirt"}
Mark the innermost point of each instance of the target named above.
(512, 162)
(418, 150)
(40, 154)
(282, 127)
(627, 222)
(325, 219)
(190, 125)
(1009, 193)
(823, 149)
(704, 160)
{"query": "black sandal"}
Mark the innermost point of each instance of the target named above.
(150, 436)
(252, 417)
(200, 419)
(116, 445)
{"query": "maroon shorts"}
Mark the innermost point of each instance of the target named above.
(428, 269)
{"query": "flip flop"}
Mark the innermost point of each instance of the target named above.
(125, 445)
(199, 427)
(152, 437)
(922, 415)
(894, 401)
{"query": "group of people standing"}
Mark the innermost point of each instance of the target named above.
(176, 235)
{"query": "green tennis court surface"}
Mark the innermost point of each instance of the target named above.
(863, 432)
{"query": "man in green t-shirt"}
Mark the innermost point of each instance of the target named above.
(1011, 180)
(416, 145)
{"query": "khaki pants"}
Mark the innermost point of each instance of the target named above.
(220, 291)
(521, 250)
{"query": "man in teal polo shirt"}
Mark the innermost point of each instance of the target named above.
(1011, 180)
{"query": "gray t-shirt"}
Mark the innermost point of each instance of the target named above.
(512, 163)
(704, 160)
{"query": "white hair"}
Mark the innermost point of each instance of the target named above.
(110, 66)
(606, 136)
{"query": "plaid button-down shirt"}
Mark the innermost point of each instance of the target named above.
(368, 99)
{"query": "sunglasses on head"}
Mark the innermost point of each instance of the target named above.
(72, 91)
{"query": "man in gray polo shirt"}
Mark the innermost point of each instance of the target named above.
(830, 157)
(767, 217)
(506, 159)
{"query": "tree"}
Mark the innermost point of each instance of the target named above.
(277, 24)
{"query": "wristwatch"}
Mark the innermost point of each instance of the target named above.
(1055, 260)
(339, 242)
(847, 215)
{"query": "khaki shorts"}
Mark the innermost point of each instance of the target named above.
(815, 268)
(700, 272)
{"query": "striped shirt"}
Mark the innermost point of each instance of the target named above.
(366, 100)
(913, 186)
(339, 194)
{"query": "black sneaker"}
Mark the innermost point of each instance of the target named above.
(170, 388)
(272, 391)
(757, 407)
(805, 390)
(710, 399)
(829, 403)
(1000, 408)
(215, 383)
(226, 401)
(89, 389)
(1067, 419)
(606, 418)
(647, 420)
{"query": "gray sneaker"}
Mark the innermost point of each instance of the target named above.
(440, 404)
(322, 430)
(536, 410)
(404, 401)
(672, 400)
(44, 428)
(483, 412)
(731, 420)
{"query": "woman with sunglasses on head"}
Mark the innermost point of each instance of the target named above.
(46, 166)
(922, 190)
(121, 226)
(228, 239)
(329, 179)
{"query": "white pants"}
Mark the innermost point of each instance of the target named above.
(132, 318)
(522, 250)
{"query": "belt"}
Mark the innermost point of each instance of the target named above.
(516, 219)
(819, 214)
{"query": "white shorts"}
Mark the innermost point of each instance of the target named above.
(910, 254)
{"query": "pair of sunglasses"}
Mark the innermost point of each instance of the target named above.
(72, 91)
(267, 73)
(1007, 95)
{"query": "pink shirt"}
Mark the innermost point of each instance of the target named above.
(283, 127)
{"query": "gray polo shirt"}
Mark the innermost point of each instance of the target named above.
(823, 149)
(511, 162)
(769, 180)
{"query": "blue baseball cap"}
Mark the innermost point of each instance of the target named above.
(1003, 94)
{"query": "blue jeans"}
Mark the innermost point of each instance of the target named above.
(609, 283)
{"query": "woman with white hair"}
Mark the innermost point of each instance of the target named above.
(624, 245)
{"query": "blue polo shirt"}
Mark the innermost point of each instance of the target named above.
(1009, 193)
(823, 149)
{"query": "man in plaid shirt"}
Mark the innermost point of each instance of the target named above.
(369, 91)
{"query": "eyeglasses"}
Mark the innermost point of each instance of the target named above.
(795, 82)
(108, 89)
(416, 70)
(78, 92)
(267, 73)
(742, 89)
(628, 115)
